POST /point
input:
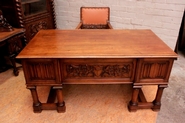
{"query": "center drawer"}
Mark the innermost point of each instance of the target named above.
(97, 71)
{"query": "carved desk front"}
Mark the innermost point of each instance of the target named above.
(57, 57)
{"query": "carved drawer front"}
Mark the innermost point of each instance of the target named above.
(153, 71)
(98, 70)
(41, 71)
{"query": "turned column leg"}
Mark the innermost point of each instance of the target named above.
(157, 101)
(133, 104)
(37, 108)
(61, 104)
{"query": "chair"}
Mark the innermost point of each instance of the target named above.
(94, 18)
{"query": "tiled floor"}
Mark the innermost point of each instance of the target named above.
(92, 103)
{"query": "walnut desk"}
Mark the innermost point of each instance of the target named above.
(56, 57)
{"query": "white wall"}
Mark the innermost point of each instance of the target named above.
(163, 17)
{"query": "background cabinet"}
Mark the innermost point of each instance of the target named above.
(32, 15)
(180, 46)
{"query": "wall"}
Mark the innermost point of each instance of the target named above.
(163, 17)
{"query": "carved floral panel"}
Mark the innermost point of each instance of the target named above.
(99, 71)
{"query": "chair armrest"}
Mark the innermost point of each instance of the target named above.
(79, 25)
(109, 26)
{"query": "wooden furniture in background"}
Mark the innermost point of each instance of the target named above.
(58, 57)
(13, 42)
(94, 18)
(32, 15)
(4, 25)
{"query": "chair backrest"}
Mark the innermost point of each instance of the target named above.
(94, 15)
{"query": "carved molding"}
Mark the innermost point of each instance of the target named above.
(99, 71)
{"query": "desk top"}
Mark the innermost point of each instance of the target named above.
(96, 44)
(6, 35)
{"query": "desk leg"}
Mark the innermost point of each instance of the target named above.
(133, 105)
(50, 105)
(139, 101)
(61, 104)
(37, 107)
(157, 101)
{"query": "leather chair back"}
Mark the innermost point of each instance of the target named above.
(95, 15)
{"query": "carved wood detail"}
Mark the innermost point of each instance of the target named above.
(34, 28)
(53, 12)
(15, 14)
(92, 26)
(146, 70)
(99, 71)
(41, 71)
(154, 70)
(37, 17)
(15, 44)
(19, 13)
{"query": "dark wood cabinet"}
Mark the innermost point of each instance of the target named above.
(32, 15)
(11, 43)
(180, 46)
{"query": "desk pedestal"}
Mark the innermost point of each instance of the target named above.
(56, 72)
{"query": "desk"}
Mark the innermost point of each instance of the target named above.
(13, 41)
(57, 57)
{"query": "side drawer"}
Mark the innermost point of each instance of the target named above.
(41, 71)
(153, 71)
(98, 71)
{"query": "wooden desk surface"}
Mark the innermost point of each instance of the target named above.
(96, 44)
(6, 35)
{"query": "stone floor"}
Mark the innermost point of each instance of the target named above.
(92, 103)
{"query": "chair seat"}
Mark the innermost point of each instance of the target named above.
(94, 26)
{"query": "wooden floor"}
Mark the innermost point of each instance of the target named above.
(92, 103)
